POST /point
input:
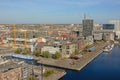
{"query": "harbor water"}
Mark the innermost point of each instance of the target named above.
(105, 67)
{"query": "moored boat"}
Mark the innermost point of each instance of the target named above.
(108, 48)
(22, 57)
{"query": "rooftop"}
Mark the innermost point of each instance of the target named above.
(8, 66)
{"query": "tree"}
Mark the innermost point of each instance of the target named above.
(76, 51)
(111, 41)
(38, 53)
(46, 54)
(26, 51)
(32, 78)
(86, 47)
(48, 73)
(104, 40)
(18, 50)
(56, 55)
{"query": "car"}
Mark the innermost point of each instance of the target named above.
(75, 57)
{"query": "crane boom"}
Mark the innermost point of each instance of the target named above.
(14, 30)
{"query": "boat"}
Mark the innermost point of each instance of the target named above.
(23, 57)
(108, 48)
(112, 45)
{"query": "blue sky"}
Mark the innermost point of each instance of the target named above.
(58, 11)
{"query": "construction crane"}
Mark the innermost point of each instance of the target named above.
(15, 35)
(14, 31)
(25, 37)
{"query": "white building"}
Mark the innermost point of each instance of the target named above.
(50, 49)
(89, 40)
(117, 27)
(98, 36)
(97, 27)
(20, 43)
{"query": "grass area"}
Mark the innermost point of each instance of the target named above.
(32, 78)
(48, 73)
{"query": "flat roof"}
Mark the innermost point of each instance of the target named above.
(8, 66)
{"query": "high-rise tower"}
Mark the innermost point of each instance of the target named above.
(87, 27)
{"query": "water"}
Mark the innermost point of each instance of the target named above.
(92, 48)
(104, 67)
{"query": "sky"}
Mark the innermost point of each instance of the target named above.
(58, 11)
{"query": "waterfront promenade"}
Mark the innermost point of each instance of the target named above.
(71, 63)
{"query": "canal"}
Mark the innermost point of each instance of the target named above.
(105, 67)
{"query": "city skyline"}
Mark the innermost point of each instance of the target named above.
(58, 12)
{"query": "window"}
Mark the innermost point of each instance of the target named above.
(67, 52)
(60, 50)
(67, 47)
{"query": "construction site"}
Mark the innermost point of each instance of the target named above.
(21, 36)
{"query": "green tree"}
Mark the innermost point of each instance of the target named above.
(38, 53)
(26, 51)
(48, 73)
(18, 50)
(76, 51)
(46, 54)
(104, 40)
(32, 78)
(86, 47)
(56, 55)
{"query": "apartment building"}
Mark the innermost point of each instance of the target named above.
(10, 71)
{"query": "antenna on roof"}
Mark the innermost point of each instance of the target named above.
(84, 16)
